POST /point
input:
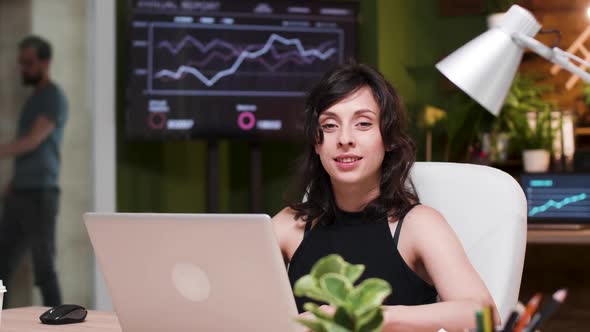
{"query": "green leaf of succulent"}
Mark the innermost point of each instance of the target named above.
(343, 318)
(315, 309)
(369, 295)
(304, 285)
(329, 264)
(308, 286)
(337, 328)
(311, 324)
(332, 326)
(318, 295)
(367, 316)
(337, 286)
(322, 325)
(375, 322)
(354, 272)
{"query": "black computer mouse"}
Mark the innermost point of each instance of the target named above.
(64, 314)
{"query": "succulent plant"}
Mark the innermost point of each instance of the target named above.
(358, 308)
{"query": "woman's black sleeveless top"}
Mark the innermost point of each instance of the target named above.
(362, 240)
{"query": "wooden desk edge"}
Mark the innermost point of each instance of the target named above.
(546, 236)
(26, 319)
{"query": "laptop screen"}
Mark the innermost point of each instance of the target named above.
(557, 198)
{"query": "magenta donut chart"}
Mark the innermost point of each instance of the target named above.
(246, 120)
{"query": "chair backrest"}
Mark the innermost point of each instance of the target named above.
(487, 209)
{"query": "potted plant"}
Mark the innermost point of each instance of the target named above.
(528, 119)
(358, 308)
(533, 132)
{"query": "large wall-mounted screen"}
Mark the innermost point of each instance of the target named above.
(230, 69)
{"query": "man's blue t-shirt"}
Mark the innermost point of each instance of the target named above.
(39, 168)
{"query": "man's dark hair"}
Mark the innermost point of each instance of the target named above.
(313, 182)
(41, 46)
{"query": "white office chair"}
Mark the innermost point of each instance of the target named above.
(488, 210)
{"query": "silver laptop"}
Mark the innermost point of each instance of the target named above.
(193, 272)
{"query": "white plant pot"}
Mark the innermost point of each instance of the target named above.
(536, 161)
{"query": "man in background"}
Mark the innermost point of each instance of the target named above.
(32, 197)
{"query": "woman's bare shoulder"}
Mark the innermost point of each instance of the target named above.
(428, 226)
(287, 219)
(286, 215)
(424, 223)
(423, 215)
(289, 231)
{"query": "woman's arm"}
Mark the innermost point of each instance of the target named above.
(449, 315)
(462, 292)
(288, 232)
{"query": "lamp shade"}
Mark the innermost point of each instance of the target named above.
(485, 67)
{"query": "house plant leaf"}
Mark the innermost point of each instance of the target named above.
(309, 286)
(343, 318)
(328, 264)
(337, 286)
(369, 295)
(374, 323)
(354, 272)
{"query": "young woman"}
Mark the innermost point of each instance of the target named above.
(354, 179)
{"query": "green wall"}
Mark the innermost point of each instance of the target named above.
(412, 36)
(403, 38)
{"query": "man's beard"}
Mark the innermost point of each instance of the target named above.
(31, 80)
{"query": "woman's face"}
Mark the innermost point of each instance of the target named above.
(352, 150)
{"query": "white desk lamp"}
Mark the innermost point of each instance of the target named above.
(485, 67)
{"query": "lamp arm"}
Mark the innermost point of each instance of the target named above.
(555, 55)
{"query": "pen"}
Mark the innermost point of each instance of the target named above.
(513, 318)
(487, 319)
(531, 307)
(479, 318)
(547, 310)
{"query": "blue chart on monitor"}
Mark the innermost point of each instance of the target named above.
(557, 205)
(205, 59)
(557, 197)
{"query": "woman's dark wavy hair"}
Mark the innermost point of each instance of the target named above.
(313, 182)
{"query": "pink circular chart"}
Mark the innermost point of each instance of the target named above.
(157, 120)
(246, 120)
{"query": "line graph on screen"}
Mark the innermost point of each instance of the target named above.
(557, 202)
(205, 59)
